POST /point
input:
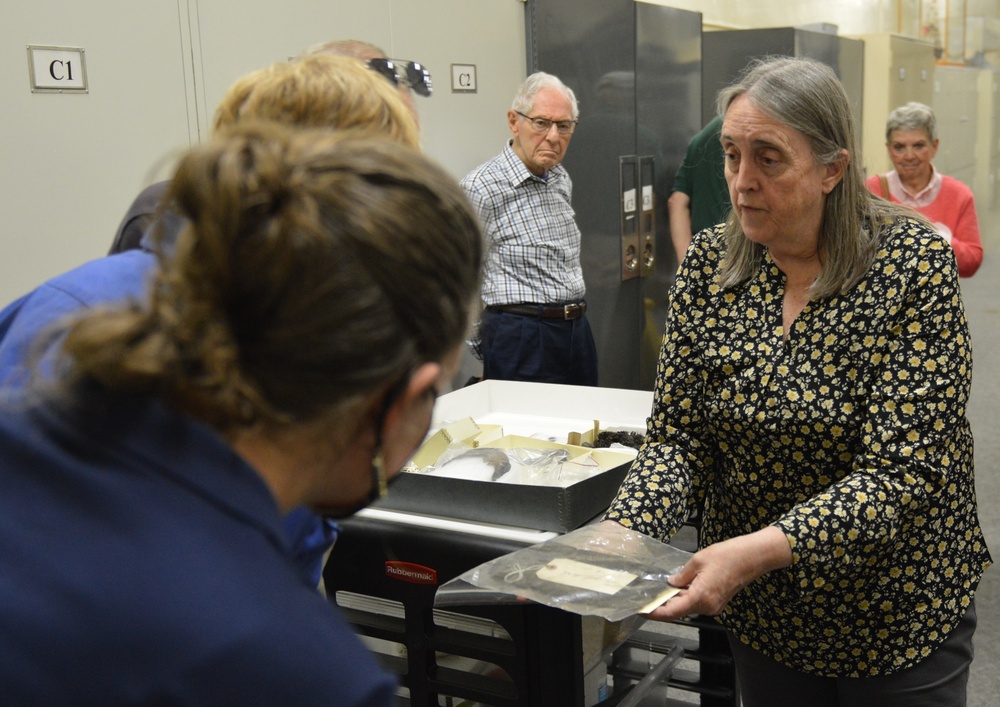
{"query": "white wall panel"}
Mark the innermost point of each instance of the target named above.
(460, 130)
(236, 38)
(851, 16)
(956, 107)
(71, 164)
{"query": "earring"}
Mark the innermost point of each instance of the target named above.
(380, 481)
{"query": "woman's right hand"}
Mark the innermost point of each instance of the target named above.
(714, 575)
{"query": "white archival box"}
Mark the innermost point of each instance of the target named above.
(531, 409)
(550, 415)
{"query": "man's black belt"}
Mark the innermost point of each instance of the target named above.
(574, 310)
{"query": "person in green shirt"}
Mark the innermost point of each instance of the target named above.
(701, 197)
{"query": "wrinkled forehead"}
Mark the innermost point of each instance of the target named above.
(552, 103)
(910, 135)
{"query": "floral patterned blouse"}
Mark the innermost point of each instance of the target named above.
(850, 436)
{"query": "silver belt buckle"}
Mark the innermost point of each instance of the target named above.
(567, 308)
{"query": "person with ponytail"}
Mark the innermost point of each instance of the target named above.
(288, 353)
(319, 90)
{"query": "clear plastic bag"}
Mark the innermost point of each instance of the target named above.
(601, 570)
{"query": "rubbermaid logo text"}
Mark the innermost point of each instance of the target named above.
(409, 572)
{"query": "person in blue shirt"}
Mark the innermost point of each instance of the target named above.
(310, 91)
(288, 354)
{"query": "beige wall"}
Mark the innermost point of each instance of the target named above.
(71, 164)
(851, 16)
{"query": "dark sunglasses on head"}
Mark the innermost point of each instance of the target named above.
(407, 73)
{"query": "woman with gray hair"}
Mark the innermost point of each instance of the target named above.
(810, 402)
(912, 141)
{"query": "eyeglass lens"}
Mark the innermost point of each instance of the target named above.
(413, 74)
(383, 67)
(419, 78)
(543, 125)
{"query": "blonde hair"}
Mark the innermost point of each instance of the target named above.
(317, 268)
(320, 90)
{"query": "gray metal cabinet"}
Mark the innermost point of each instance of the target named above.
(635, 68)
(897, 70)
(726, 53)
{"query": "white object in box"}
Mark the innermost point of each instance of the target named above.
(539, 410)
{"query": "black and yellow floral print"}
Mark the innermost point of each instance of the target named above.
(848, 433)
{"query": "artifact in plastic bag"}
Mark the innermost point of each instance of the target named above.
(602, 570)
(518, 465)
(494, 463)
(540, 467)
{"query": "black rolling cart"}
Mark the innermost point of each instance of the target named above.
(388, 562)
(385, 569)
(533, 648)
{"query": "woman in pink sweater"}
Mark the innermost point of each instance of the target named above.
(911, 137)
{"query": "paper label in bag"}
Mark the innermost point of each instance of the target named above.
(584, 576)
(659, 600)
